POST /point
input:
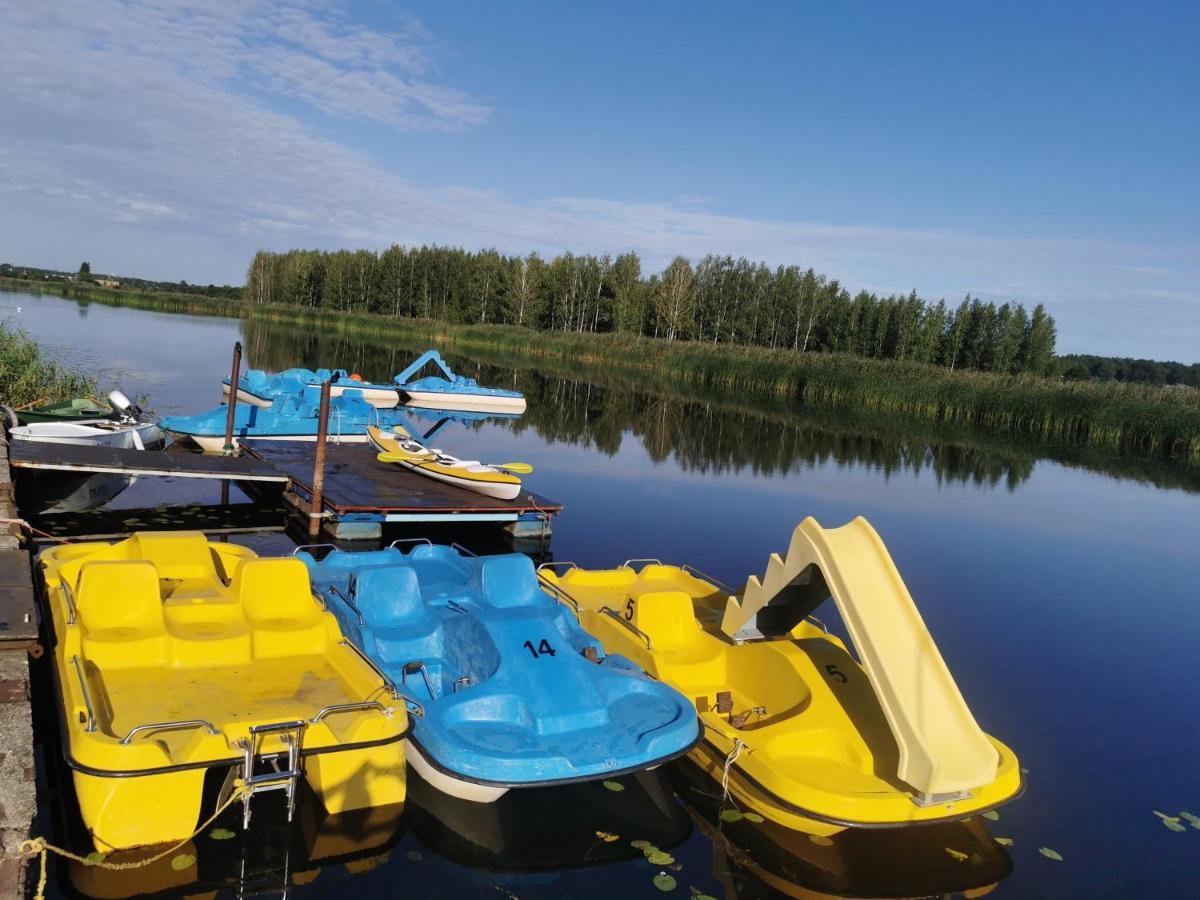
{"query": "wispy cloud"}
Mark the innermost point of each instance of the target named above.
(144, 130)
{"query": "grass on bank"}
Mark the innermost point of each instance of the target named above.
(1157, 421)
(28, 376)
(155, 301)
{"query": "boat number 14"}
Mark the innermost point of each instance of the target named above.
(542, 649)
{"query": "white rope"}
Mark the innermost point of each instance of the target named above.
(738, 746)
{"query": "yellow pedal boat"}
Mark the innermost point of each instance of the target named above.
(802, 732)
(471, 475)
(174, 656)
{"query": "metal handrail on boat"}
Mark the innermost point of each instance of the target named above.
(463, 550)
(347, 707)
(554, 565)
(410, 541)
(350, 603)
(87, 700)
(170, 726)
(312, 547)
(559, 594)
(418, 666)
(613, 614)
(70, 598)
(413, 706)
(641, 559)
(696, 573)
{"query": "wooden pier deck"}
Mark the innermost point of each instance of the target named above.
(361, 494)
(167, 463)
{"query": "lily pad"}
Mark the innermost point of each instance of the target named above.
(1165, 817)
(607, 836)
(698, 894)
(94, 858)
(614, 786)
(955, 854)
(665, 882)
(221, 834)
(415, 855)
(992, 816)
(640, 844)
(731, 815)
(1174, 824)
(182, 861)
(1194, 821)
(820, 840)
(753, 817)
(1004, 842)
(660, 858)
(1050, 854)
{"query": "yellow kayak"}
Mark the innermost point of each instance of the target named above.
(805, 735)
(174, 655)
(405, 450)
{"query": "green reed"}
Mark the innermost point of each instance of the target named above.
(28, 376)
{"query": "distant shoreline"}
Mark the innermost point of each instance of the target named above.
(1152, 421)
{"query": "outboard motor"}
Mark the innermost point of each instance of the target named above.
(126, 409)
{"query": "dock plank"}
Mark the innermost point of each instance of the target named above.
(356, 482)
(167, 463)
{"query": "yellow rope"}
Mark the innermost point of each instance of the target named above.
(39, 847)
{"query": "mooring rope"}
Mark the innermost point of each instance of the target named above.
(21, 523)
(738, 747)
(40, 847)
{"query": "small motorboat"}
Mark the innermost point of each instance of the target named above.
(124, 429)
(513, 692)
(451, 391)
(289, 418)
(174, 656)
(62, 411)
(263, 388)
(402, 449)
(802, 733)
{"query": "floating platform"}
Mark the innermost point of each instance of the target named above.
(84, 458)
(361, 494)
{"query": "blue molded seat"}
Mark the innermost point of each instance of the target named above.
(389, 598)
(509, 580)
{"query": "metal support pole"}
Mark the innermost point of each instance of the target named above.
(318, 483)
(233, 392)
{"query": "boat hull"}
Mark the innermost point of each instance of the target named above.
(378, 397)
(216, 444)
(118, 436)
(469, 402)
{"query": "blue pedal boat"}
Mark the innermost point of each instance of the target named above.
(451, 391)
(261, 388)
(289, 418)
(512, 692)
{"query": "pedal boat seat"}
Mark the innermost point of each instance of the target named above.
(396, 620)
(130, 633)
(277, 601)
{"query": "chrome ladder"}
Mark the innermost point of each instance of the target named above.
(275, 778)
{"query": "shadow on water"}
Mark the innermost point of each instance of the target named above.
(712, 432)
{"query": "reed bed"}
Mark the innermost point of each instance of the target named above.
(27, 376)
(154, 301)
(1163, 422)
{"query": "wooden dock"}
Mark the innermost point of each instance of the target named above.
(362, 494)
(83, 458)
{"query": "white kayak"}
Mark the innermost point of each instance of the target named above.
(96, 432)
(404, 450)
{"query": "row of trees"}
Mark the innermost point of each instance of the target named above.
(1082, 366)
(719, 299)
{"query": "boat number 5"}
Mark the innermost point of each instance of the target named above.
(629, 610)
(542, 649)
(835, 672)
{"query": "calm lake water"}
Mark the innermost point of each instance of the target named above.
(1064, 595)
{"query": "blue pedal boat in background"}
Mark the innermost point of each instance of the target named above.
(261, 388)
(291, 417)
(512, 692)
(452, 391)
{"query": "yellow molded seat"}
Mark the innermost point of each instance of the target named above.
(277, 599)
(178, 555)
(669, 619)
(120, 614)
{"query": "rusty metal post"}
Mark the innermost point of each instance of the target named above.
(318, 483)
(232, 402)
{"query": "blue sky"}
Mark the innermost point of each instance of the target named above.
(1043, 153)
